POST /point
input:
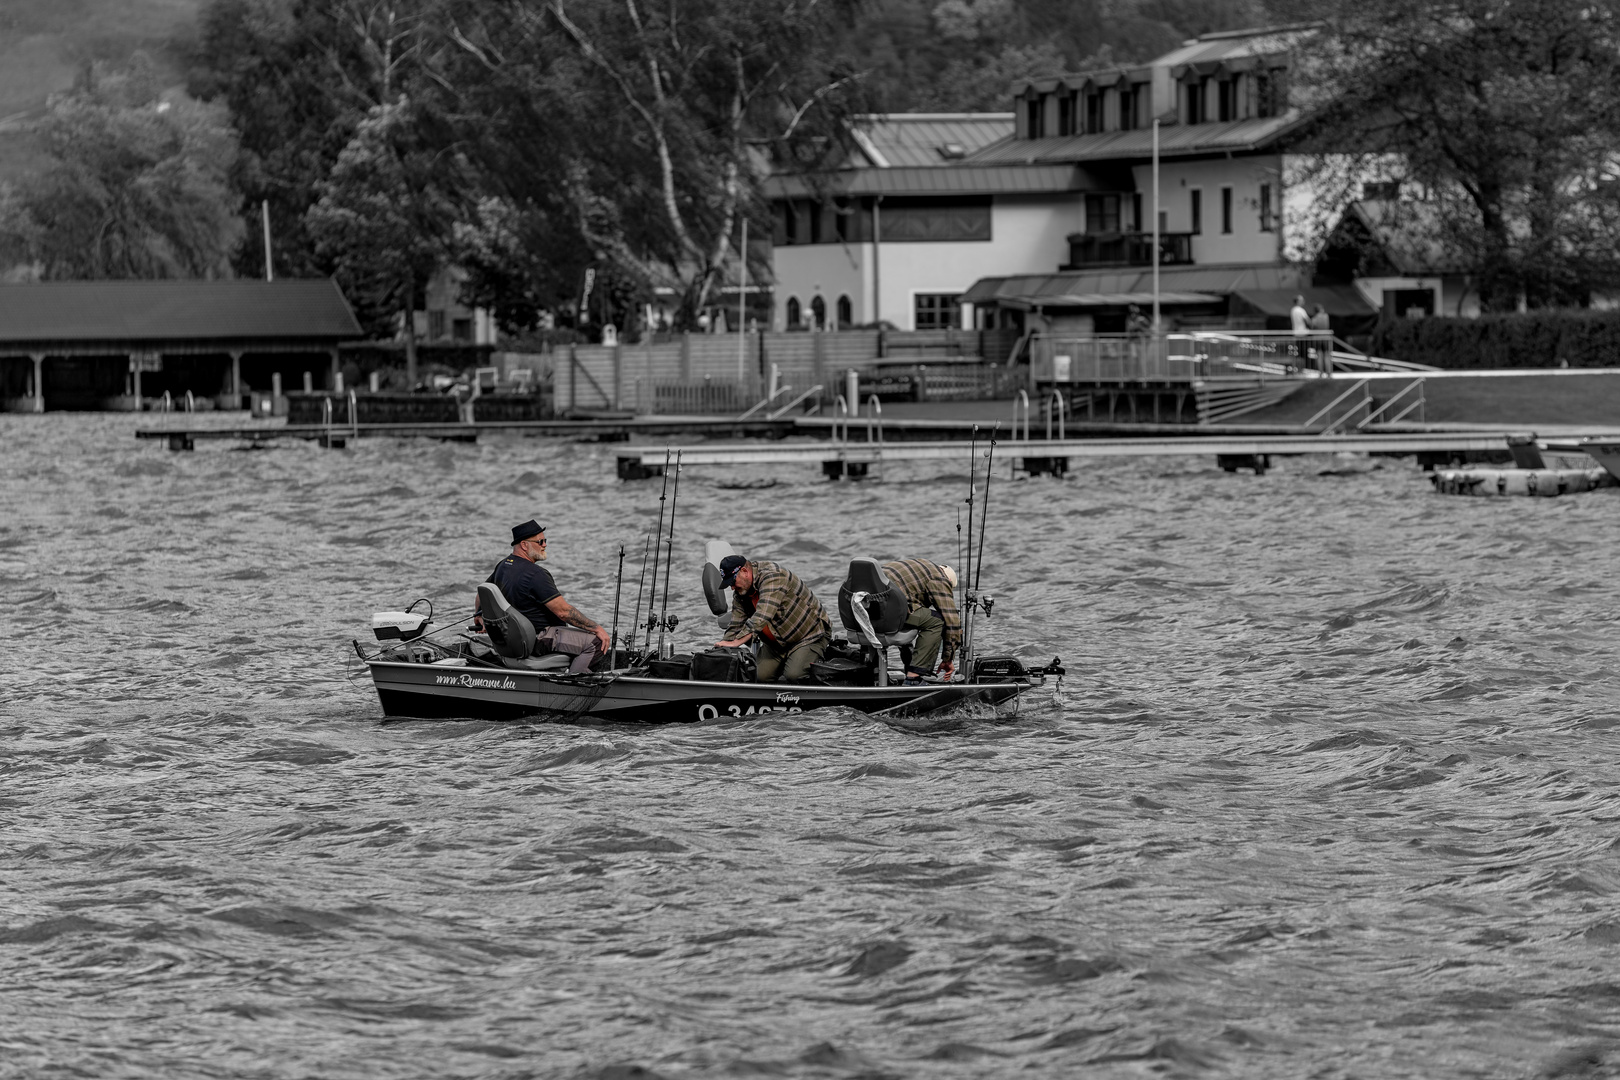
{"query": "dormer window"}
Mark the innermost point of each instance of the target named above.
(1094, 112)
(1227, 106)
(1035, 117)
(1066, 114)
(1127, 105)
(1192, 94)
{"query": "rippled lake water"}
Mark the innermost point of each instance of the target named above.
(1330, 791)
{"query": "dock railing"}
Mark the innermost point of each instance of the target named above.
(1197, 354)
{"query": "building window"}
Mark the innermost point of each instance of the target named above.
(790, 222)
(1138, 222)
(1094, 114)
(1266, 224)
(1102, 213)
(1193, 92)
(1226, 90)
(918, 219)
(936, 311)
(815, 222)
(461, 329)
(818, 313)
(435, 325)
(793, 313)
(845, 312)
(1226, 210)
(1127, 108)
(1197, 207)
(1066, 114)
(1036, 117)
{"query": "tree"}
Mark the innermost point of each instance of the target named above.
(677, 108)
(137, 185)
(1501, 116)
(299, 77)
(383, 218)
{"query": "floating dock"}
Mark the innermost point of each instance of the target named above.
(846, 458)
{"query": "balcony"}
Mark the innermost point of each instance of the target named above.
(1088, 251)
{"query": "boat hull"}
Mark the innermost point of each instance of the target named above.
(431, 691)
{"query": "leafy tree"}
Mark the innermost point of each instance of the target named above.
(1498, 117)
(137, 185)
(383, 218)
(299, 76)
(657, 118)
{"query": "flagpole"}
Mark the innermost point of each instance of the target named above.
(1155, 228)
(742, 303)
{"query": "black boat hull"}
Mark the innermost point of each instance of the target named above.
(432, 691)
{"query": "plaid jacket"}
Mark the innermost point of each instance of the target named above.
(782, 609)
(926, 586)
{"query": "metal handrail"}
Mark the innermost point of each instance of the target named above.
(1061, 407)
(840, 408)
(1328, 408)
(764, 402)
(1021, 403)
(812, 392)
(875, 419)
(1416, 384)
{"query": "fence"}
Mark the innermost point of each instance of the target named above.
(1105, 358)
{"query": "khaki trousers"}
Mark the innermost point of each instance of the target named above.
(793, 664)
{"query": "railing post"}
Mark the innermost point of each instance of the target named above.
(876, 419)
(354, 416)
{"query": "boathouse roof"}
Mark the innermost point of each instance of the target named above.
(174, 316)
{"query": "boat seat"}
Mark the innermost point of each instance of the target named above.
(874, 609)
(512, 634)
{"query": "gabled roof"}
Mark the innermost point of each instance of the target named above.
(1175, 140)
(956, 180)
(175, 311)
(899, 140)
(1229, 45)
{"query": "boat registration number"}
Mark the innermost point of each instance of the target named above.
(713, 712)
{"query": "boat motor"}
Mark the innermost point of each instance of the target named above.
(407, 625)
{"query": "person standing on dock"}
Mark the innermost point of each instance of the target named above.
(771, 603)
(930, 590)
(1322, 332)
(1300, 320)
(528, 587)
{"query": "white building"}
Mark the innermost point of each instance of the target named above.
(1049, 223)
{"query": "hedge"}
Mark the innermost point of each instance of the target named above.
(1534, 339)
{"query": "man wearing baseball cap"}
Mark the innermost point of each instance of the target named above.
(528, 587)
(770, 603)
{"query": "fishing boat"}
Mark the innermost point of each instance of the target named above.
(490, 671)
(426, 672)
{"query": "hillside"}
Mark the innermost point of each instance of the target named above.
(43, 42)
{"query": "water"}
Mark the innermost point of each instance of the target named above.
(1330, 792)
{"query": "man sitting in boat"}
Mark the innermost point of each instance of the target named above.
(772, 604)
(930, 590)
(528, 587)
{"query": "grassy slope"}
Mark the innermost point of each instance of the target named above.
(43, 42)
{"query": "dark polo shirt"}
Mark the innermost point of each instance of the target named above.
(527, 586)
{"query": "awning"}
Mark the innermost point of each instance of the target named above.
(1087, 300)
(1341, 301)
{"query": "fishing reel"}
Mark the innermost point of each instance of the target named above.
(986, 601)
(1054, 668)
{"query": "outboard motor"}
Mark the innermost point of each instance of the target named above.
(874, 608)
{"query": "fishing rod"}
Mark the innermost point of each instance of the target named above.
(635, 624)
(652, 596)
(973, 476)
(664, 620)
(984, 515)
(618, 591)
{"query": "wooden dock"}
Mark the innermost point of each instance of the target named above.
(848, 458)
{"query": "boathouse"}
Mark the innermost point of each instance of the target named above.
(115, 344)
